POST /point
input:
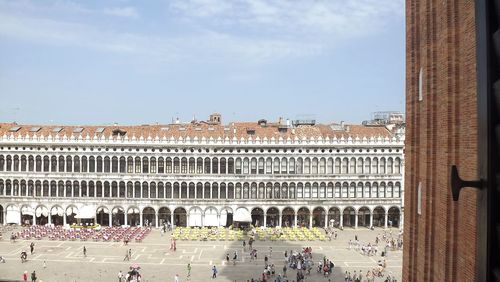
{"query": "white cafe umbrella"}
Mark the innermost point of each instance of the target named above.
(86, 212)
(242, 215)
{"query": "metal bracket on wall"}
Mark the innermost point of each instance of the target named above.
(457, 183)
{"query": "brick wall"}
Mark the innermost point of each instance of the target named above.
(441, 130)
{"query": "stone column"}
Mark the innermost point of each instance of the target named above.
(34, 220)
(401, 219)
(172, 218)
(202, 219)
(64, 219)
(126, 222)
(218, 219)
(140, 217)
(385, 223)
(110, 218)
(295, 222)
(4, 216)
(50, 218)
(310, 220)
(356, 220)
(279, 219)
(187, 219)
(265, 219)
(341, 220)
(156, 220)
(326, 220)
(371, 219)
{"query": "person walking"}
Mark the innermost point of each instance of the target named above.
(189, 269)
(33, 276)
(126, 258)
(214, 272)
(235, 257)
(284, 270)
(176, 278)
(84, 251)
(32, 247)
(244, 245)
(129, 254)
(44, 264)
(120, 276)
(227, 259)
(25, 276)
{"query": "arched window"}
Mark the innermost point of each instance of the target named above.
(238, 166)
(337, 190)
(269, 191)
(230, 166)
(215, 166)
(322, 166)
(397, 166)
(114, 189)
(84, 164)
(184, 165)
(145, 190)
(199, 165)
(269, 166)
(314, 166)
(389, 190)
(375, 166)
(69, 164)
(123, 165)
(276, 165)
(107, 165)
(352, 190)
(352, 166)
(314, 190)
(223, 193)
(137, 190)
(98, 186)
(207, 165)
(168, 190)
(277, 191)
(161, 190)
(397, 190)
(9, 163)
(24, 163)
(367, 190)
(329, 166)
(223, 169)
(107, 189)
(261, 165)
(91, 189)
(382, 166)
(177, 165)
(359, 166)
(238, 191)
(300, 191)
(53, 164)
(262, 192)
(307, 190)
(184, 190)
(84, 189)
(130, 190)
(69, 189)
(161, 165)
(381, 190)
(390, 168)
(337, 166)
(31, 164)
(60, 189)
(130, 165)
(359, 190)
(192, 166)
(329, 190)
(16, 163)
(253, 166)
(192, 190)
(291, 191)
(76, 164)
(53, 189)
(168, 165)
(246, 191)
(291, 166)
(345, 188)
(284, 164)
(374, 193)
(307, 166)
(299, 166)
(121, 192)
(2, 162)
(114, 165)
(99, 164)
(322, 190)
(367, 166)
(138, 167)
(145, 165)
(246, 165)
(61, 164)
(345, 165)
(46, 164)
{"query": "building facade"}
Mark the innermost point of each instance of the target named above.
(203, 173)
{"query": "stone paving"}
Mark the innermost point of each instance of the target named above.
(65, 261)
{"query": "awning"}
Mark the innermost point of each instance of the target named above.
(13, 215)
(41, 211)
(133, 210)
(27, 210)
(242, 215)
(71, 210)
(86, 212)
(57, 211)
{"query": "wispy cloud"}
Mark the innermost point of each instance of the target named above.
(127, 12)
(249, 31)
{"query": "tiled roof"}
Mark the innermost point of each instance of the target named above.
(200, 130)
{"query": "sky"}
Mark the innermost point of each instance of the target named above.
(145, 62)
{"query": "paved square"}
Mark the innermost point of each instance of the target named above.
(65, 260)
